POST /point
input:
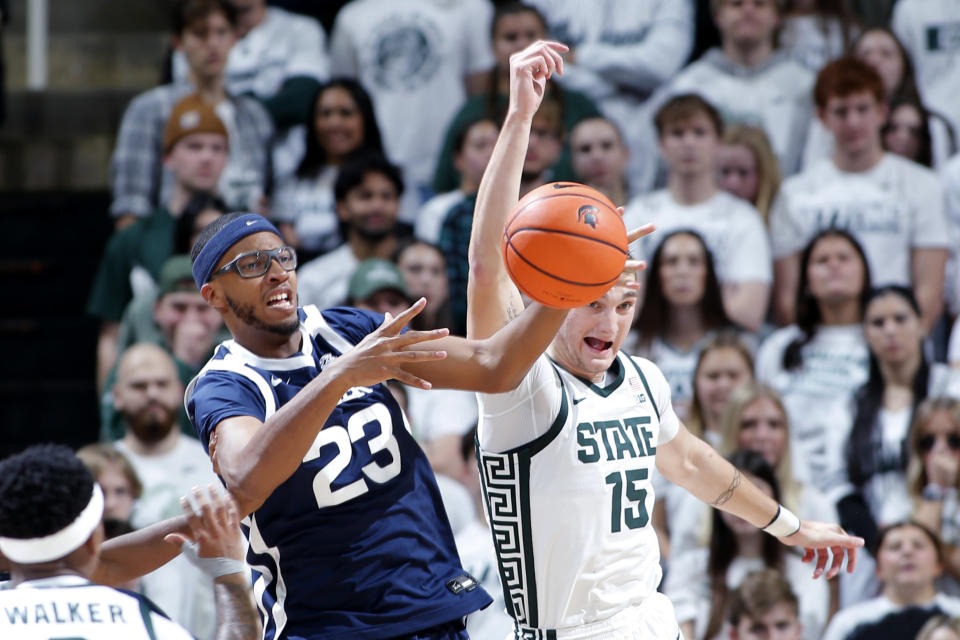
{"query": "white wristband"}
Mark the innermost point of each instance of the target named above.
(784, 524)
(213, 567)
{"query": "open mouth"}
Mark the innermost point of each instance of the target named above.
(280, 300)
(598, 345)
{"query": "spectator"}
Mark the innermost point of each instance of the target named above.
(205, 31)
(893, 206)
(340, 126)
(514, 26)
(725, 363)
(425, 273)
(926, 30)
(546, 137)
(279, 58)
(764, 607)
(148, 394)
(818, 363)
(907, 132)
(116, 477)
(815, 32)
(940, 628)
(179, 321)
(200, 210)
(747, 168)
(367, 193)
(689, 130)
(195, 144)
(735, 549)
(900, 379)
(749, 80)
(933, 459)
(377, 285)
(600, 158)
(909, 560)
(472, 148)
(621, 52)
(51, 510)
(419, 60)
(682, 310)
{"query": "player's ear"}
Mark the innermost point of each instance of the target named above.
(213, 296)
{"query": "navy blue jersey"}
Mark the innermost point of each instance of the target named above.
(356, 543)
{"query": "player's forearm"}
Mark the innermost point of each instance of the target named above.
(236, 618)
(135, 554)
(491, 297)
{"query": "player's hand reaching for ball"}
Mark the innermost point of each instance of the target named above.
(380, 356)
(529, 71)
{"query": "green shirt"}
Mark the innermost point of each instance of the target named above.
(146, 244)
(576, 107)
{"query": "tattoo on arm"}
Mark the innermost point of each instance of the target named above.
(512, 313)
(724, 497)
(236, 618)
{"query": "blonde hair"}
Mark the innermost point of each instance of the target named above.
(916, 472)
(768, 170)
(741, 398)
(938, 622)
(98, 455)
(724, 339)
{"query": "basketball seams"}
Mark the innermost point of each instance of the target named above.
(550, 275)
(566, 194)
(566, 233)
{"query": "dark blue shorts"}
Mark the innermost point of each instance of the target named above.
(454, 630)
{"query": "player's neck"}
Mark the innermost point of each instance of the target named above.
(685, 326)
(163, 446)
(857, 161)
(840, 314)
(691, 188)
(25, 573)
(748, 54)
(263, 343)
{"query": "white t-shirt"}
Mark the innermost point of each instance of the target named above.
(323, 281)
(930, 32)
(731, 228)
(565, 466)
(950, 178)
(846, 621)
(309, 205)
(183, 591)
(891, 209)
(812, 40)
(69, 606)
(413, 56)
(440, 412)
(816, 395)
(775, 96)
(432, 214)
(677, 366)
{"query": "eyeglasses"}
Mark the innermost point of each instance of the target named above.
(256, 263)
(925, 443)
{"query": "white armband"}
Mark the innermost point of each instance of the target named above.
(213, 567)
(784, 524)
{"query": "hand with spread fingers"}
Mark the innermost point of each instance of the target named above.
(820, 541)
(214, 527)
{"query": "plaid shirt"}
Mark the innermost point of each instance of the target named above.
(138, 178)
(454, 244)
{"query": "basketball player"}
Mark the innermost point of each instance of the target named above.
(348, 536)
(566, 457)
(51, 513)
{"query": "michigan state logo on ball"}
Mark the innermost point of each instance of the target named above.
(587, 214)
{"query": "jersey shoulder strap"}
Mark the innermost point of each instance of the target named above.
(643, 380)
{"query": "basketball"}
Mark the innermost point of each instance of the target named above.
(564, 244)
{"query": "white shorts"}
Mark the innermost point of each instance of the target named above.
(652, 619)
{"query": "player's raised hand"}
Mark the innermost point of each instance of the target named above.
(382, 353)
(529, 71)
(821, 540)
(215, 536)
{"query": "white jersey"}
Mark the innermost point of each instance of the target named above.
(892, 208)
(566, 467)
(731, 228)
(775, 96)
(73, 607)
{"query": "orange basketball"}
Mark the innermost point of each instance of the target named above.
(565, 244)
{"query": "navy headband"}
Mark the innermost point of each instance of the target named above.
(222, 240)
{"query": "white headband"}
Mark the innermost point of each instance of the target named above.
(57, 545)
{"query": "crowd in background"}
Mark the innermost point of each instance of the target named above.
(801, 294)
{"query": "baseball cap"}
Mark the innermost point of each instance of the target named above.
(191, 115)
(176, 275)
(373, 275)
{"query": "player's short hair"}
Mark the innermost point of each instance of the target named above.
(758, 593)
(95, 457)
(209, 231)
(42, 490)
(187, 12)
(844, 77)
(353, 172)
(683, 107)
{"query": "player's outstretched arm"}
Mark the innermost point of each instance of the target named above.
(492, 298)
(694, 465)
